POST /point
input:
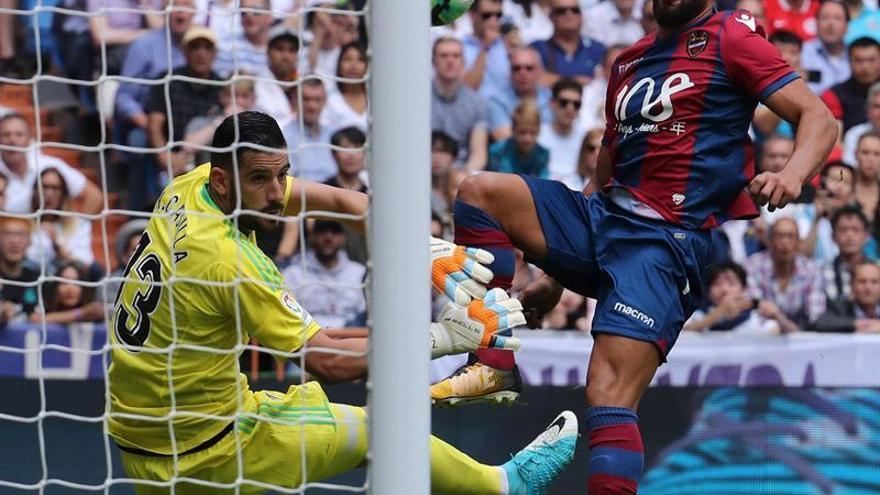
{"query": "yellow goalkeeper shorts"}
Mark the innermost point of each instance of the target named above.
(288, 439)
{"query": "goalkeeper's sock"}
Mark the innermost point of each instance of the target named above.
(475, 227)
(617, 455)
(453, 471)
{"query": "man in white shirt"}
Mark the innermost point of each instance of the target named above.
(308, 139)
(563, 136)
(851, 138)
(329, 284)
(272, 96)
(22, 167)
(246, 52)
(614, 22)
(824, 58)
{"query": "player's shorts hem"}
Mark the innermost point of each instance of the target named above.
(635, 335)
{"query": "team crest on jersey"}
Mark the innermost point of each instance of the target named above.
(697, 42)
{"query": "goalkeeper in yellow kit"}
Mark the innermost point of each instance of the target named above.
(198, 287)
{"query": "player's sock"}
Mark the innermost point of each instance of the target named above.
(453, 471)
(617, 455)
(475, 227)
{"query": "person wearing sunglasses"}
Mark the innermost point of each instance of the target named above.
(525, 84)
(613, 22)
(487, 68)
(563, 135)
(567, 53)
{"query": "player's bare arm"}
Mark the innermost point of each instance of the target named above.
(815, 135)
(313, 196)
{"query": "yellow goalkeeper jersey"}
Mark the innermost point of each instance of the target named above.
(195, 288)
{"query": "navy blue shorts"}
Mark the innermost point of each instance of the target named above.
(647, 275)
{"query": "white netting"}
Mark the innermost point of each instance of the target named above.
(46, 469)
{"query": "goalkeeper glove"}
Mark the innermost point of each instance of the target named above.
(468, 329)
(459, 272)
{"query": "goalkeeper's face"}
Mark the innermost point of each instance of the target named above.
(263, 178)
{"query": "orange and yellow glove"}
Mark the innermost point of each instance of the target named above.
(466, 329)
(459, 272)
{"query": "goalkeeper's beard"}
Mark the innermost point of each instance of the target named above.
(249, 222)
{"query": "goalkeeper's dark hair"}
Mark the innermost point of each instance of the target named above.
(254, 128)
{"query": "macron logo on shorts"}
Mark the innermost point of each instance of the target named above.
(634, 313)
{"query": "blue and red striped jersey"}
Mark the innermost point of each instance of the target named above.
(678, 111)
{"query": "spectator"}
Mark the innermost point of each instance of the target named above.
(649, 24)
(186, 100)
(592, 112)
(521, 153)
(68, 301)
(563, 135)
(127, 238)
(486, 59)
(328, 283)
(530, 17)
(456, 109)
(273, 97)
(852, 136)
(325, 37)
(730, 309)
(246, 51)
(220, 16)
(836, 191)
(349, 161)
(525, 79)
(59, 236)
(308, 139)
(797, 16)
(20, 168)
(17, 298)
(237, 96)
(567, 54)
(824, 58)
(4, 181)
(860, 312)
(614, 22)
(868, 173)
(847, 99)
(147, 58)
(785, 277)
(348, 107)
(445, 178)
(118, 29)
(864, 21)
(588, 158)
(850, 226)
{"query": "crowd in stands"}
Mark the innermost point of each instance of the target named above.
(518, 87)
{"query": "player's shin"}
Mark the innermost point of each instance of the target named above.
(475, 227)
(454, 472)
(617, 455)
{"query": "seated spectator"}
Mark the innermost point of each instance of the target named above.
(530, 17)
(348, 107)
(588, 158)
(567, 54)
(273, 97)
(525, 84)
(614, 22)
(117, 29)
(237, 96)
(350, 169)
(324, 37)
(785, 277)
(836, 191)
(308, 138)
(851, 236)
(847, 99)
(868, 173)
(521, 153)
(125, 244)
(20, 168)
(328, 283)
(3, 183)
(563, 135)
(69, 302)
(860, 312)
(824, 58)
(185, 100)
(17, 299)
(147, 58)
(797, 16)
(59, 237)
(456, 109)
(852, 136)
(445, 178)
(486, 58)
(592, 112)
(864, 21)
(731, 309)
(246, 51)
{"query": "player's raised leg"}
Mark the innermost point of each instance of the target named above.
(494, 212)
